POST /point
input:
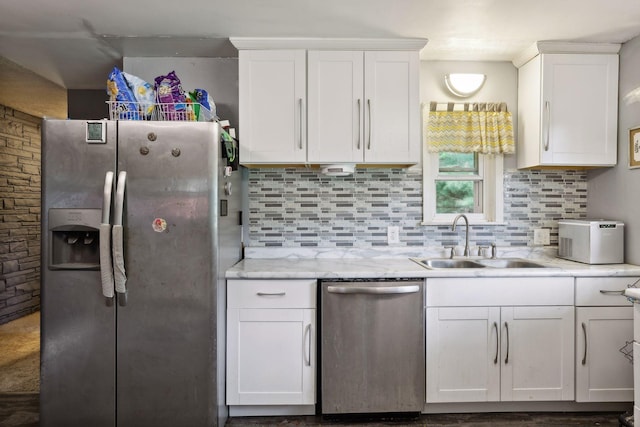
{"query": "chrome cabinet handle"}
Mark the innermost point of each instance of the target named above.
(495, 359)
(506, 327)
(306, 345)
(359, 124)
(300, 130)
(370, 120)
(584, 331)
(378, 290)
(611, 292)
(271, 294)
(547, 110)
(106, 262)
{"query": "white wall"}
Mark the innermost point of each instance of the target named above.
(501, 86)
(613, 193)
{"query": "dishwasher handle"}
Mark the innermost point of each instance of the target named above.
(374, 290)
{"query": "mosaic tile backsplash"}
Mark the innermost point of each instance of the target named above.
(298, 207)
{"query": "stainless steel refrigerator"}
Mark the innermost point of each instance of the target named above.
(139, 222)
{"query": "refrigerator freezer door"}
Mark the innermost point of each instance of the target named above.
(165, 351)
(78, 328)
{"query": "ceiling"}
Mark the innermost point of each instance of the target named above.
(75, 43)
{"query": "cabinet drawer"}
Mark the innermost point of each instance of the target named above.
(494, 291)
(588, 291)
(271, 293)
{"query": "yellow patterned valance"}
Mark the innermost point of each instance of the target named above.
(485, 128)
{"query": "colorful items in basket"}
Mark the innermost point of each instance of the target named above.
(199, 99)
(132, 98)
(144, 93)
(170, 97)
(121, 96)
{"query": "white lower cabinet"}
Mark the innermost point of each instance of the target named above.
(271, 342)
(538, 361)
(604, 331)
(490, 354)
(519, 352)
(463, 354)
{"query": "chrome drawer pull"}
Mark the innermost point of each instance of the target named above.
(611, 292)
(271, 294)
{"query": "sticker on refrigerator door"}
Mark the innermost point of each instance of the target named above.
(159, 225)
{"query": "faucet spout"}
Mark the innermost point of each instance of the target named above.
(466, 240)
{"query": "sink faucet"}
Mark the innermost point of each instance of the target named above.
(466, 240)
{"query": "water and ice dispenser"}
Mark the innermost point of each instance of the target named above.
(74, 239)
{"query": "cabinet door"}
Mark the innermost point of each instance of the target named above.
(271, 356)
(335, 114)
(579, 109)
(392, 107)
(463, 362)
(537, 353)
(603, 373)
(272, 106)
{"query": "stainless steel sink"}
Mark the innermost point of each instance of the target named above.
(509, 263)
(438, 263)
(447, 263)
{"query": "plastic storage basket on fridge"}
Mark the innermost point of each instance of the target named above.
(159, 111)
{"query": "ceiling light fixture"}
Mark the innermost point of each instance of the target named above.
(464, 85)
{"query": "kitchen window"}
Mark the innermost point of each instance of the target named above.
(463, 163)
(468, 183)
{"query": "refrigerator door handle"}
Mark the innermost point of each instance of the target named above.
(106, 264)
(118, 242)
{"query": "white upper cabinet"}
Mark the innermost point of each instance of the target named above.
(329, 101)
(391, 88)
(364, 107)
(568, 109)
(336, 106)
(272, 106)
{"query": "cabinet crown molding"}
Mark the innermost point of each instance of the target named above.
(563, 47)
(266, 43)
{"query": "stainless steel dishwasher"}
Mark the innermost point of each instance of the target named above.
(372, 346)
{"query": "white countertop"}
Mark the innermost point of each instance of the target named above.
(399, 265)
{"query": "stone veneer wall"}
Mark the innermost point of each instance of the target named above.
(19, 214)
(300, 207)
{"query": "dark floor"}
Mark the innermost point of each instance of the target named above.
(516, 419)
(21, 410)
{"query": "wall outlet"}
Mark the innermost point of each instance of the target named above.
(541, 236)
(393, 234)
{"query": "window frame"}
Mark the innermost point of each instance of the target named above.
(490, 171)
